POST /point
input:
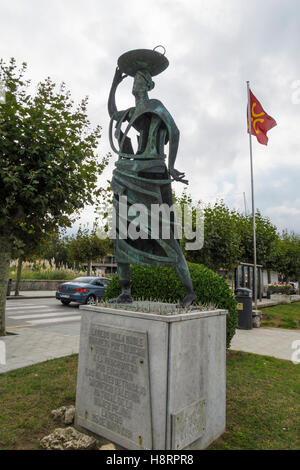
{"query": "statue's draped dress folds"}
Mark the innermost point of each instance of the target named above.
(142, 175)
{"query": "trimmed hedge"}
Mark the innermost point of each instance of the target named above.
(162, 284)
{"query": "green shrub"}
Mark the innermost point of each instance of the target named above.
(153, 283)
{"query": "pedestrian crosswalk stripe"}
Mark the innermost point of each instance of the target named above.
(27, 307)
(44, 310)
(41, 315)
(20, 326)
(9, 304)
(57, 320)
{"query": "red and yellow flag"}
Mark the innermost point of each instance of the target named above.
(261, 122)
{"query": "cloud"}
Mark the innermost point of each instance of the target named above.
(213, 48)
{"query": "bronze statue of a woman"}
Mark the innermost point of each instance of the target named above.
(143, 176)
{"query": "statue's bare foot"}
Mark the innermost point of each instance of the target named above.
(124, 299)
(188, 300)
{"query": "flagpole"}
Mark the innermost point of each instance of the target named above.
(252, 195)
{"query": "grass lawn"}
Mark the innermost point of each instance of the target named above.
(27, 398)
(262, 402)
(282, 316)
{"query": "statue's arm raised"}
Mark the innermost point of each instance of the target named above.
(118, 78)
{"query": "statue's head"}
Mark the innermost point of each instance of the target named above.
(142, 82)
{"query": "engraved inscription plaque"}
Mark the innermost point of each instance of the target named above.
(115, 395)
(188, 425)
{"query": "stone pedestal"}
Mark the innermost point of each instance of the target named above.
(150, 381)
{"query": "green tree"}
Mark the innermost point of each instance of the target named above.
(56, 248)
(48, 162)
(30, 246)
(86, 247)
(288, 256)
(222, 241)
(25, 251)
(266, 240)
(228, 237)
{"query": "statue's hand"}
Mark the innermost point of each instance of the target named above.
(177, 176)
(119, 76)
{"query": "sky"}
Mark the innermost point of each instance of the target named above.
(213, 48)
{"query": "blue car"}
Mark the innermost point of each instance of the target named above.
(83, 290)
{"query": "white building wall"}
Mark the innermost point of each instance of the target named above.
(274, 277)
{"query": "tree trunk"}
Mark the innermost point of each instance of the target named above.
(89, 271)
(5, 252)
(269, 276)
(19, 272)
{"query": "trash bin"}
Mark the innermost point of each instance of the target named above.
(244, 299)
(8, 287)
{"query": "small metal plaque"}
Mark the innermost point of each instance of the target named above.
(240, 306)
(188, 425)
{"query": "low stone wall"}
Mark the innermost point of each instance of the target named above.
(28, 284)
(272, 302)
(281, 298)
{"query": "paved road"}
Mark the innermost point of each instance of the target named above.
(42, 329)
(44, 314)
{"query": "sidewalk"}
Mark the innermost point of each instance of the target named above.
(32, 346)
(33, 294)
(275, 342)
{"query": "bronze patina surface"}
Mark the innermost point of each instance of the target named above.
(142, 59)
(142, 175)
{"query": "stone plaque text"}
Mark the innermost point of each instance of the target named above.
(117, 377)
